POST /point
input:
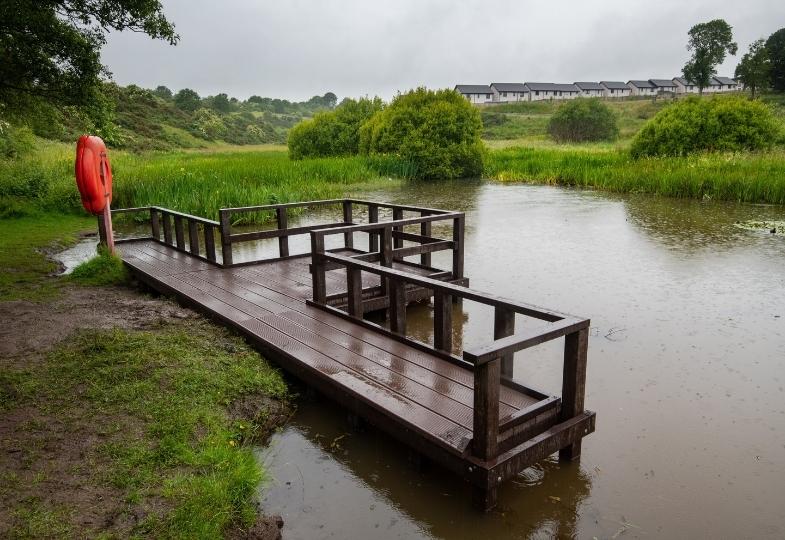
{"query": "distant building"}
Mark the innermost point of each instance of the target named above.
(664, 85)
(590, 89)
(545, 91)
(615, 89)
(507, 92)
(475, 93)
(727, 84)
(683, 86)
(642, 88)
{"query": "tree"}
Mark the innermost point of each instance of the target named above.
(187, 100)
(754, 68)
(775, 46)
(221, 103)
(163, 92)
(50, 48)
(709, 43)
(329, 100)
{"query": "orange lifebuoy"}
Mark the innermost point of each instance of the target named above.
(93, 173)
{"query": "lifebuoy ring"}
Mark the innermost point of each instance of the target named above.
(93, 173)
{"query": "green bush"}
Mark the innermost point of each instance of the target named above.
(15, 141)
(332, 133)
(438, 132)
(583, 120)
(727, 123)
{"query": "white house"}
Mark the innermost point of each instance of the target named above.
(642, 88)
(683, 86)
(506, 92)
(664, 85)
(544, 91)
(475, 93)
(615, 89)
(727, 84)
(590, 89)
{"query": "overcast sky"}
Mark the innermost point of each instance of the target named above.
(295, 49)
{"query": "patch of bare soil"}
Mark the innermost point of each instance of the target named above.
(46, 459)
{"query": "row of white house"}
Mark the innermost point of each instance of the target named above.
(506, 92)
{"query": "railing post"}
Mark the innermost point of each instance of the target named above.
(486, 409)
(573, 385)
(397, 214)
(373, 237)
(178, 232)
(193, 237)
(209, 242)
(442, 321)
(226, 241)
(503, 326)
(167, 220)
(155, 226)
(458, 224)
(318, 268)
(283, 223)
(354, 288)
(348, 238)
(397, 294)
(385, 256)
(425, 230)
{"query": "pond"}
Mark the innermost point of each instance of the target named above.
(686, 374)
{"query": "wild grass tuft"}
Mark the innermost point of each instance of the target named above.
(103, 269)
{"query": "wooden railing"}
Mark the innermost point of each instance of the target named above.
(491, 363)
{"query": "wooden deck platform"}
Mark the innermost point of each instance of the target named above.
(306, 313)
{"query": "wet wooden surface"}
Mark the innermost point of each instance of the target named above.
(420, 392)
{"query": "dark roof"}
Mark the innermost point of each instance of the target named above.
(724, 80)
(684, 81)
(615, 85)
(473, 88)
(552, 87)
(589, 86)
(641, 84)
(509, 87)
(663, 83)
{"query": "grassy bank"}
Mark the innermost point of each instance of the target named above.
(198, 182)
(746, 177)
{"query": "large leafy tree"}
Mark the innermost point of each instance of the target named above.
(187, 100)
(709, 43)
(775, 46)
(754, 67)
(50, 48)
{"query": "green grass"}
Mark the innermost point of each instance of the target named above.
(161, 398)
(23, 264)
(745, 177)
(103, 269)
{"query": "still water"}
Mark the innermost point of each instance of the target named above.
(686, 374)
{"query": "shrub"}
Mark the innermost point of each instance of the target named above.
(727, 123)
(15, 141)
(208, 125)
(438, 132)
(583, 120)
(332, 133)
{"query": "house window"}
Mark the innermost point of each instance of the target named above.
(487, 96)
(536, 92)
(504, 94)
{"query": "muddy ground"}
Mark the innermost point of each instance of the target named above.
(48, 459)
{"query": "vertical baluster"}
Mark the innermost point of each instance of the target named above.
(317, 268)
(386, 255)
(503, 326)
(209, 242)
(167, 219)
(354, 288)
(573, 384)
(226, 241)
(397, 214)
(397, 293)
(179, 234)
(442, 321)
(373, 236)
(193, 236)
(348, 238)
(425, 230)
(283, 224)
(155, 226)
(457, 252)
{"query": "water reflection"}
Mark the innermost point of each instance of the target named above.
(331, 482)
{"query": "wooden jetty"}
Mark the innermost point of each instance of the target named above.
(309, 313)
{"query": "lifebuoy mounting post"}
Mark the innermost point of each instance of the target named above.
(94, 180)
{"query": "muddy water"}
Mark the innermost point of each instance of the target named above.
(686, 373)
